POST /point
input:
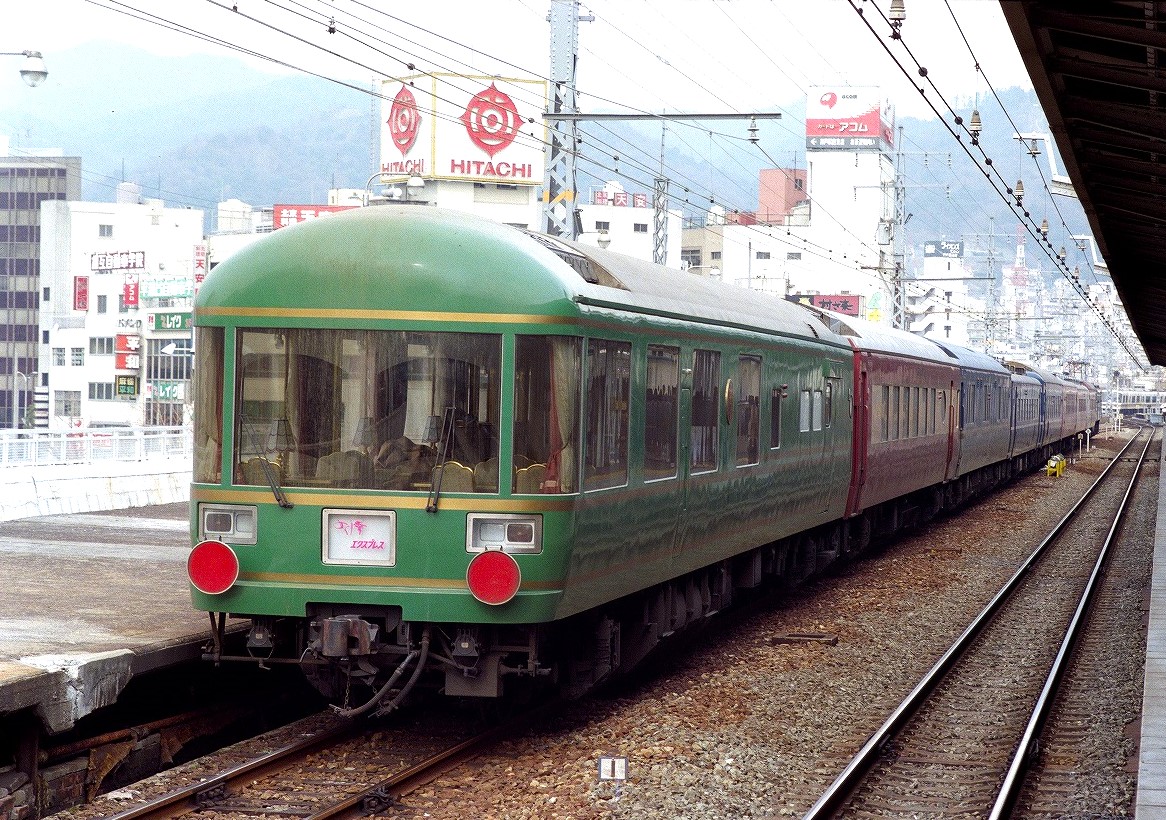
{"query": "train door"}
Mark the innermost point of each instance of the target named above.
(861, 422)
(832, 399)
(951, 469)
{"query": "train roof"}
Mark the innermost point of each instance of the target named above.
(871, 336)
(972, 359)
(397, 260)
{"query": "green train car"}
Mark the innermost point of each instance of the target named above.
(432, 450)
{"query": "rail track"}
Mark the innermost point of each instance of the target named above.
(960, 743)
(347, 770)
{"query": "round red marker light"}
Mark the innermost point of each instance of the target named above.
(213, 567)
(493, 577)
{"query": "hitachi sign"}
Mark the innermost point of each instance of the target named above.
(409, 167)
(488, 168)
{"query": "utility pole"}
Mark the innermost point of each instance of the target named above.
(560, 215)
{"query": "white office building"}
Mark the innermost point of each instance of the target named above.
(118, 282)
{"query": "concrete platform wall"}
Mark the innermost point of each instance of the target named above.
(76, 488)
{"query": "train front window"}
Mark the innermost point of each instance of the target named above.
(546, 414)
(363, 409)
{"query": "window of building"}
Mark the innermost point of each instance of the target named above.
(77, 356)
(715, 255)
(101, 346)
(794, 256)
(44, 294)
(748, 410)
(605, 462)
(603, 226)
(67, 403)
(640, 227)
(660, 412)
(690, 257)
(105, 231)
(762, 255)
(706, 380)
(122, 307)
(59, 356)
(799, 183)
(44, 337)
(102, 304)
(101, 391)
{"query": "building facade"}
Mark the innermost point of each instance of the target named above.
(26, 182)
(115, 321)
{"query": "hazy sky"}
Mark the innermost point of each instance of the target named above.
(654, 55)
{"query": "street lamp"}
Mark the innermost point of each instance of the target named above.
(33, 72)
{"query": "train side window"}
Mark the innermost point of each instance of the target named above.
(883, 412)
(605, 462)
(915, 412)
(817, 410)
(775, 398)
(748, 410)
(829, 409)
(546, 414)
(706, 380)
(804, 411)
(895, 413)
(660, 412)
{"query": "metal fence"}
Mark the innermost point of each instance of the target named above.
(34, 448)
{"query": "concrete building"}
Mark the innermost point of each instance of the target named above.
(115, 322)
(625, 223)
(25, 183)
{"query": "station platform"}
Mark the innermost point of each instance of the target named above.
(1151, 798)
(88, 601)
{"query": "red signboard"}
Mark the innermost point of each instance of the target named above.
(130, 290)
(849, 118)
(284, 215)
(128, 351)
(848, 304)
(80, 293)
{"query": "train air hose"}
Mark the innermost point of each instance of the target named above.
(421, 655)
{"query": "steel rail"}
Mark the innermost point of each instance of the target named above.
(1027, 748)
(190, 798)
(845, 783)
(388, 791)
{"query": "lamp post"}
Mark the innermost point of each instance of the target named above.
(33, 72)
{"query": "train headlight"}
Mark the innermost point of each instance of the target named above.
(227, 522)
(508, 533)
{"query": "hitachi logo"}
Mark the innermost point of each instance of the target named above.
(488, 168)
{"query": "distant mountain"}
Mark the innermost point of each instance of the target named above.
(197, 129)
